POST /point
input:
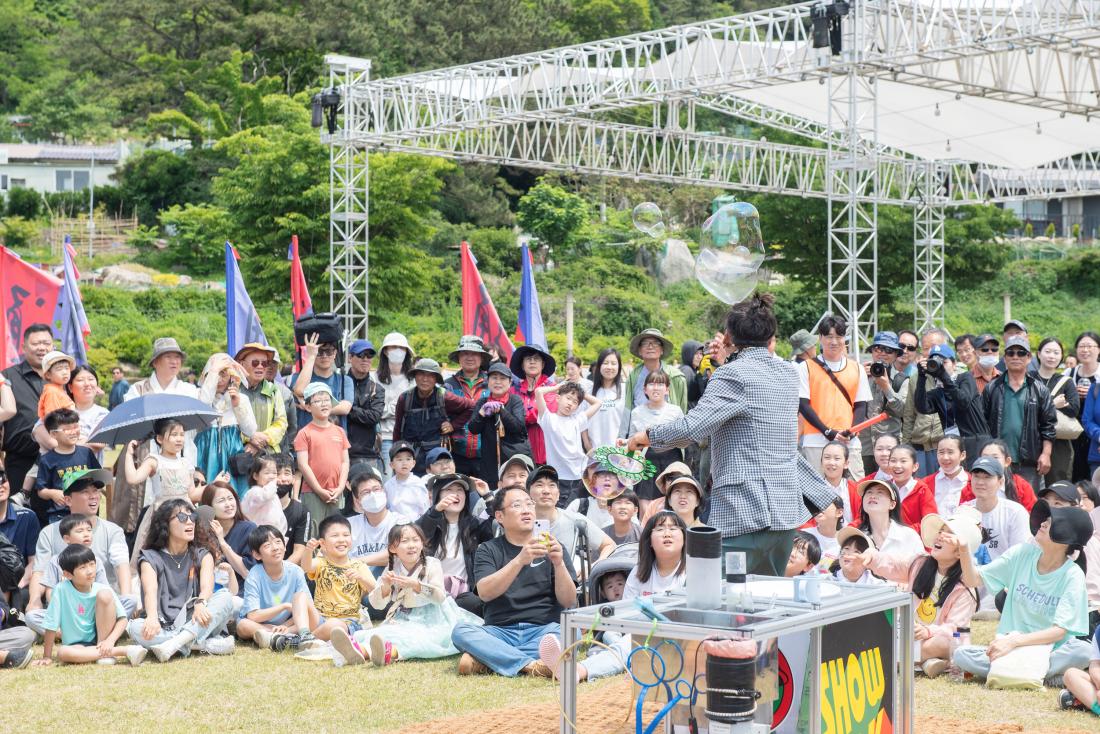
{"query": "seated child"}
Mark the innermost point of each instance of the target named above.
(624, 527)
(805, 555)
(74, 530)
(340, 581)
(1045, 607)
(942, 602)
(1082, 687)
(406, 493)
(827, 524)
(87, 614)
(420, 614)
(278, 611)
(853, 543)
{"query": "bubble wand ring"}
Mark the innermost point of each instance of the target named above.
(630, 466)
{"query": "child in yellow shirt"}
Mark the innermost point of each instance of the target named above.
(340, 582)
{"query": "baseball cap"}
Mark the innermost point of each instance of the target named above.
(1014, 324)
(436, 454)
(545, 470)
(992, 467)
(74, 481)
(315, 387)
(886, 339)
(1068, 525)
(517, 459)
(862, 487)
(942, 350)
(1018, 341)
(982, 339)
(361, 345)
(364, 471)
(1064, 490)
(499, 368)
(399, 446)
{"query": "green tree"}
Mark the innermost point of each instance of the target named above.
(553, 214)
(197, 243)
(592, 20)
(159, 179)
(68, 108)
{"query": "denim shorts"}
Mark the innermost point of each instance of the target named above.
(353, 624)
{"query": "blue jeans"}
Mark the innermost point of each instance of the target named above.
(927, 463)
(507, 650)
(1073, 653)
(387, 443)
(220, 607)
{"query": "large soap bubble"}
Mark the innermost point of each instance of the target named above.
(732, 250)
(647, 218)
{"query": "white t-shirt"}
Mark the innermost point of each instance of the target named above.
(367, 538)
(644, 417)
(603, 427)
(830, 548)
(409, 498)
(1008, 524)
(867, 578)
(562, 437)
(863, 395)
(598, 515)
(657, 583)
(949, 490)
(901, 540)
(89, 419)
(450, 554)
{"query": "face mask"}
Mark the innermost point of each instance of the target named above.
(374, 502)
(283, 490)
(395, 355)
(988, 360)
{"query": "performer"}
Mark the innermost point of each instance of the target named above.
(750, 414)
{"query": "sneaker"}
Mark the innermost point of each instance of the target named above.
(263, 638)
(217, 646)
(538, 669)
(105, 661)
(307, 641)
(550, 652)
(934, 667)
(18, 659)
(469, 665)
(347, 648)
(1053, 681)
(382, 653)
(136, 654)
(1068, 702)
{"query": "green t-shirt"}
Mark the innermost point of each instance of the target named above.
(1037, 601)
(73, 612)
(1012, 418)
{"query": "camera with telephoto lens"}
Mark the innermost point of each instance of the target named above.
(878, 369)
(934, 366)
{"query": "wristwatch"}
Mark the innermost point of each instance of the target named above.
(830, 433)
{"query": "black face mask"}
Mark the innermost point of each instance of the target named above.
(284, 490)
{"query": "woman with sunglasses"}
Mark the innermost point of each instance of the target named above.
(177, 583)
(267, 404)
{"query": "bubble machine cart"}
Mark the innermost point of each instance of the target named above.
(805, 655)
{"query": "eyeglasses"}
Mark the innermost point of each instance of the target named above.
(363, 355)
(988, 350)
(667, 530)
(186, 517)
(1016, 353)
(3, 477)
(909, 347)
(326, 352)
(259, 362)
(520, 506)
(1086, 347)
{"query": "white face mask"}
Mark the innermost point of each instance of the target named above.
(373, 502)
(395, 355)
(988, 361)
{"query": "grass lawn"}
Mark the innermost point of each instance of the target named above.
(251, 690)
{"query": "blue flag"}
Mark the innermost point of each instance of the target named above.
(529, 328)
(242, 323)
(69, 317)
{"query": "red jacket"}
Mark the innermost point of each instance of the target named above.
(853, 500)
(919, 502)
(1025, 495)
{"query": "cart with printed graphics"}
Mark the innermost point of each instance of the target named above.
(830, 657)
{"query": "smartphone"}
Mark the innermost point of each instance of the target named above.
(542, 526)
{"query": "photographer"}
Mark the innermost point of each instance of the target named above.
(955, 400)
(923, 431)
(885, 348)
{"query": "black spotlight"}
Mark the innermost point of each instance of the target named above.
(323, 109)
(827, 29)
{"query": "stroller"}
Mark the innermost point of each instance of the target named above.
(623, 558)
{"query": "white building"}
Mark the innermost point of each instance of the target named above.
(52, 168)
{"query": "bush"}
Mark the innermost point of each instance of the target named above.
(25, 203)
(18, 233)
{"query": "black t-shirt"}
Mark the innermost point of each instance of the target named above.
(296, 517)
(237, 539)
(530, 598)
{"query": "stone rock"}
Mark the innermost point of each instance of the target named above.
(122, 277)
(676, 264)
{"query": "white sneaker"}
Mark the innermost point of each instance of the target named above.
(262, 637)
(105, 661)
(217, 646)
(136, 654)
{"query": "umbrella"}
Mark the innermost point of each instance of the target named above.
(133, 420)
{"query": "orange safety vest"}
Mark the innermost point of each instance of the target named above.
(828, 402)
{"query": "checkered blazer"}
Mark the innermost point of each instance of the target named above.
(749, 412)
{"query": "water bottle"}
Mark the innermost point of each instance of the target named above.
(953, 670)
(221, 578)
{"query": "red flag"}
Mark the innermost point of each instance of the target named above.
(300, 302)
(27, 296)
(479, 315)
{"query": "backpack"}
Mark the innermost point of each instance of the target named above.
(12, 565)
(328, 327)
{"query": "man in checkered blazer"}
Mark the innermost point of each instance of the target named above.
(749, 412)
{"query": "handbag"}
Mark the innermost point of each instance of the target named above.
(1022, 669)
(1065, 427)
(240, 463)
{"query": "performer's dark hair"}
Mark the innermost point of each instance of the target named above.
(751, 323)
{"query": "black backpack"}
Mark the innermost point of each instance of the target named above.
(12, 565)
(328, 327)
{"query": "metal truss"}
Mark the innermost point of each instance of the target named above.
(928, 249)
(349, 231)
(551, 110)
